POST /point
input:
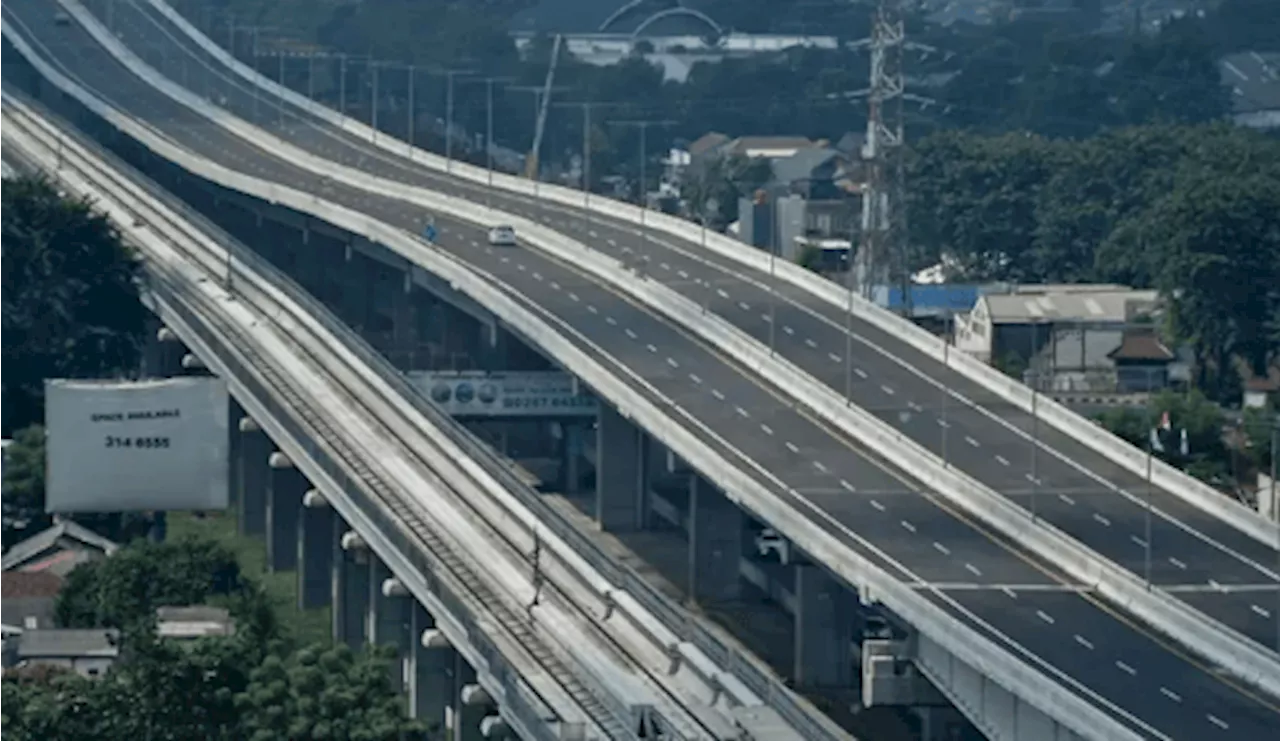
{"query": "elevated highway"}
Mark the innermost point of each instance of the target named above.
(1030, 609)
(414, 494)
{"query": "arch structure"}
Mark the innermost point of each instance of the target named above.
(634, 8)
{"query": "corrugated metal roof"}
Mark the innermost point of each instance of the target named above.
(68, 642)
(1110, 306)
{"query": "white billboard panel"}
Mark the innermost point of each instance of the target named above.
(120, 446)
(527, 394)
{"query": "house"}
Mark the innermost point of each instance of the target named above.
(1065, 332)
(28, 599)
(1141, 362)
(199, 621)
(769, 147)
(58, 549)
(88, 652)
(1254, 80)
(1260, 390)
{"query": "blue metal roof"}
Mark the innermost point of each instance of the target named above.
(945, 298)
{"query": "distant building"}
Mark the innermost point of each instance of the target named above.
(1067, 337)
(28, 599)
(1254, 80)
(88, 652)
(1141, 362)
(59, 549)
(200, 621)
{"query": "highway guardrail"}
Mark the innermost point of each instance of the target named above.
(633, 400)
(1096, 438)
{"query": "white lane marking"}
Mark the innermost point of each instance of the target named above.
(1218, 722)
(877, 505)
(915, 407)
(1177, 563)
(941, 548)
(1215, 585)
(1138, 541)
(1126, 669)
(1002, 460)
(672, 362)
(1084, 641)
(818, 465)
(630, 334)
(1261, 611)
(788, 330)
(554, 286)
(612, 242)
(766, 428)
(592, 308)
(611, 321)
(651, 348)
(767, 319)
(1102, 519)
(664, 266)
(886, 389)
(682, 274)
(506, 259)
(593, 234)
(742, 412)
(520, 266)
(811, 343)
(1066, 499)
(1033, 479)
(716, 393)
(834, 358)
(847, 486)
(944, 424)
(573, 296)
(861, 373)
(1170, 694)
(744, 306)
(1045, 616)
(722, 293)
(694, 378)
(1012, 594)
(537, 276)
(971, 441)
(908, 526)
(792, 447)
(973, 569)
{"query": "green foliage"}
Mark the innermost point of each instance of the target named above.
(1207, 457)
(23, 485)
(323, 692)
(124, 591)
(1259, 427)
(70, 296)
(723, 181)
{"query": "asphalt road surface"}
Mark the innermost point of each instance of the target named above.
(1031, 609)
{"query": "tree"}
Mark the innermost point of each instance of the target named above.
(973, 199)
(23, 485)
(124, 591)
(323, 692)
(70, 296)
(1207, 456)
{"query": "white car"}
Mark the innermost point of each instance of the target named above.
(502, 236)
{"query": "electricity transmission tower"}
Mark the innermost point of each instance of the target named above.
(883, 251)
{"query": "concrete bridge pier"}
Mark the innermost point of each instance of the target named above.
(389, 603)
(429, 672)
(716, 535)
(825, 614)
(253, 472)
(470, 703)
(621, 501)
(315, 550)
(284, 502)
(351, 576)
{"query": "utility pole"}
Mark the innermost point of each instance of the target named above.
(884, 239)
(489, 82)
(643, 125)
(449, 74)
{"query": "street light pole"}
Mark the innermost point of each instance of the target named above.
(412, 123)
(1146, 566)
(641, 193)
(280, 82)
(342, 84)
(373, 97)
(311, 76)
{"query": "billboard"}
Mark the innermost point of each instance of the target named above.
(119, 446)
(528, 394)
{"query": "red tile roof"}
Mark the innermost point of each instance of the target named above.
(20, 584)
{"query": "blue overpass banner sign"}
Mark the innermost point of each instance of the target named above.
(530, 394)
(429, 233)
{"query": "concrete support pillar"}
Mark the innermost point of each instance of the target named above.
(389, 615)
(353, 277)
(621, 501)
(351, 590)
(470, 703)
(824, 620)
(570, 458)
(404, 323)
(284, 500)
(234, 442)
(254, 472)
(162, 357)
(430, 671)
(315, 551)
(715, 544)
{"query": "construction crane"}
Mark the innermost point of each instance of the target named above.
(531, 162)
